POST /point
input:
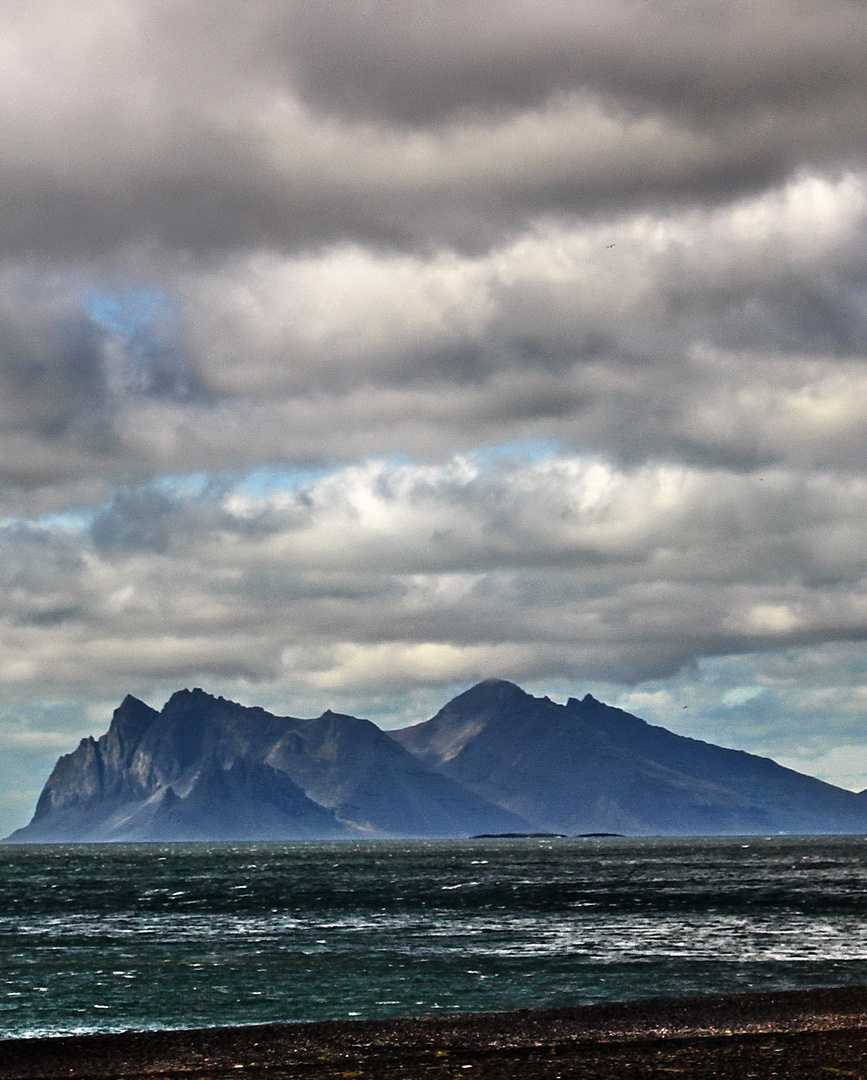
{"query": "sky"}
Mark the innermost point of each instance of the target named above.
(354, 351)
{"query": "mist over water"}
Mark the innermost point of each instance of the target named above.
(107, 938)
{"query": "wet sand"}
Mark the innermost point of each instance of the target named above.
(812, 1033)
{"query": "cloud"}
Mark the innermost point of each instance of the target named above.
(304, 126)
(733, 336)
(387, 574)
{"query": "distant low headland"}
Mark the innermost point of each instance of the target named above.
(543, 836)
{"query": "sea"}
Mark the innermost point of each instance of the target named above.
(98, 938)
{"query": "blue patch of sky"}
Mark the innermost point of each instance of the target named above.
(129, 313)
(146, 323)
(71, 520)
(740, 695)
(520, 453)
(270, 480)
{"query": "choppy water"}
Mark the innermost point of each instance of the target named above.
(105, 938)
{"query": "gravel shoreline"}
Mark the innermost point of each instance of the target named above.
(791, 1034)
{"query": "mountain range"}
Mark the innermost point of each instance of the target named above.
(493, 760)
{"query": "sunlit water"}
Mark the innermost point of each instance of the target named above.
(106, 938)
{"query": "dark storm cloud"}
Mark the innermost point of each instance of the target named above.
(51, 379)
(426, 65)
(68, 378)
(733, 336)
(690, 336)
(295, 126)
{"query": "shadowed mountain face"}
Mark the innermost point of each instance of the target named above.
(588, 767)
(494, 760)
(206, 768)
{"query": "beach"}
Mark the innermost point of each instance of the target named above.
(803, 1033)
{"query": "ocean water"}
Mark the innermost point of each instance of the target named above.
(115, 937)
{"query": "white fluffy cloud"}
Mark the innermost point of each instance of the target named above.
(410, 574)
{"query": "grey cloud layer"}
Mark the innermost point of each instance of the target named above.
(734, 336)
(242, 162)
(212, 126)
(414, 574)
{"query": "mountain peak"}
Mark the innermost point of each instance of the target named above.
(132, 712)
(131, 720)
(494, 689)
(444, 736)
(193, 697)
(130, 701)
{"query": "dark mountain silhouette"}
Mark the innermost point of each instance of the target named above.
(494, 760)
(587, 767)
(207, 768)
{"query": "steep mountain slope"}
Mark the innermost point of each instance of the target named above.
(588, 767)
(353, 767)
(246, 801)
(207, 768)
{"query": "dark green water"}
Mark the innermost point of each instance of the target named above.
(105, 938)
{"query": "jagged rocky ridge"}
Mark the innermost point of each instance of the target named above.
(205, 768)
(495, 759)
